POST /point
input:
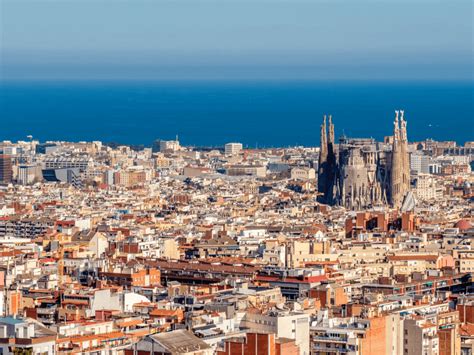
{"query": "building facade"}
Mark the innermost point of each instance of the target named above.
(6, 172)
(232, 148)
(360, 172)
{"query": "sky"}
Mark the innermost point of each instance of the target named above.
(245, 39)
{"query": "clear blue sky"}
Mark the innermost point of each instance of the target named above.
(137, 39)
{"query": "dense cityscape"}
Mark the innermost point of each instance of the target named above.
(354, 247)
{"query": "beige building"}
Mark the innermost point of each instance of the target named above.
(359, 254)
(247, 170)
(98, 244)
(418, 262)
(301, 251)
(193, 171)
(169, 248)
(464, 260)
(372, 336)
(420, 337)
(448, 333)
(303, 174)
(426, 188)
(275, 252)
(285, 325)
(131, 177)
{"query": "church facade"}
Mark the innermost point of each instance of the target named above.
(360, 172)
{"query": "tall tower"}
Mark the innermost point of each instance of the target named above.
(331, 165)
(6, 172)
(331, 133)
(400, 169)
(322, 163)
(327, 163)
(405, 155)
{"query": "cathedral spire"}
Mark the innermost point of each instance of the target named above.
(404, 153)
(400, 169)
(331, 131)
(403, 127)
(322, 164)
(396, 128)
(324, 142)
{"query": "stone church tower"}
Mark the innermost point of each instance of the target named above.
(327, 163)
(400, 169)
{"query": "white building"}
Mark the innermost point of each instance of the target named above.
(435, 168)
(169, 146)
(23, 335)
(233, 148)
(10, 150)
(285, 325)
(27, 174)
(67, 162)
(426, 189)
(420, 163)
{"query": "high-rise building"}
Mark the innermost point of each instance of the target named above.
(232, 148)
(420, 163)
(27, 174)
(6, 171)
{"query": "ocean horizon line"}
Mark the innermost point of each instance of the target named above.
(211, 113)
(236, 80)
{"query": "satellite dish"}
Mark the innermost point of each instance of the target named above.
(29, 136)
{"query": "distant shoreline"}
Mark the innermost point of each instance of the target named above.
(212, 113)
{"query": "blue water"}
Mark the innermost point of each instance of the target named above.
(213, 113)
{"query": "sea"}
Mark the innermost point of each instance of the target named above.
(258, 114)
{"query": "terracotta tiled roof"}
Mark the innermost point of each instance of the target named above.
(467, 329)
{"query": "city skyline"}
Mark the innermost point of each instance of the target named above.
(236, 177)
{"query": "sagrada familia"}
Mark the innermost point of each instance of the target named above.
(360, 172)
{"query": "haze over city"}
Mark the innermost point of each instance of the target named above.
(184, 40)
